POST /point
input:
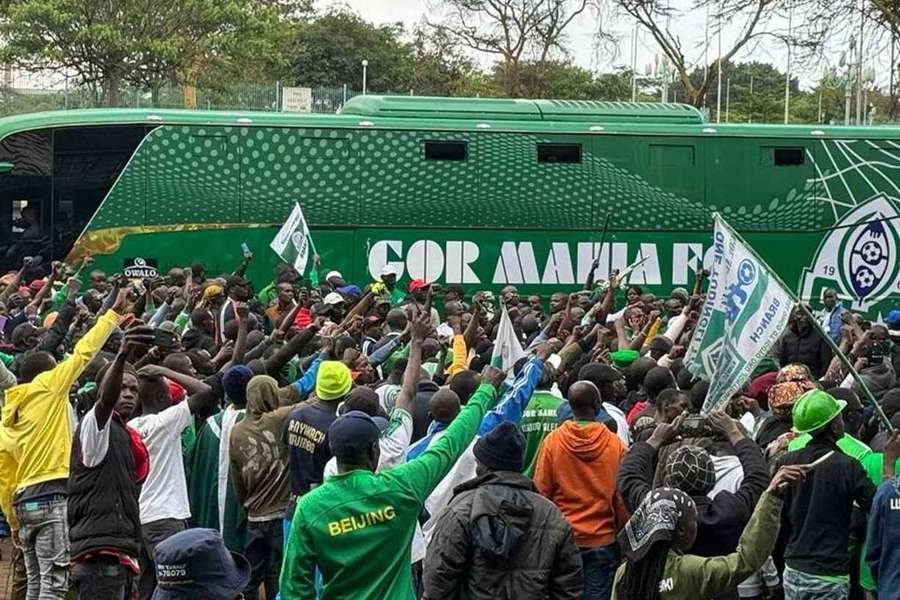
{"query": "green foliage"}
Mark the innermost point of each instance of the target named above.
(110, 43)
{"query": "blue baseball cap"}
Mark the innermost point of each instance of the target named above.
(892, 318)
(353, 432)
(195, 563)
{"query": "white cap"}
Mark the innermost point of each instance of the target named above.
(388, 269)
(333, 298)
(333, 274)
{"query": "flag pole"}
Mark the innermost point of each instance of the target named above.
(821, 332)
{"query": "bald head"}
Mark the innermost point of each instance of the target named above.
(584, 398)
(444, 405)
(453, 308)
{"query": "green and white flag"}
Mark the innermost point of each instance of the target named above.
(746, 310)
(507, 348)
(293, 243)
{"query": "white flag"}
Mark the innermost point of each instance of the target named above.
(292, 242)
(746, 311)
(507, 348)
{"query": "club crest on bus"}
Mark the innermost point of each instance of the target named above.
(858, 257)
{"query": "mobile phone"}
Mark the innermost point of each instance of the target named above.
(245, 249)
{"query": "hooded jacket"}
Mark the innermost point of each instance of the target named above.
(576, 469)
(500, 539)
(258, 454)
(36, 432)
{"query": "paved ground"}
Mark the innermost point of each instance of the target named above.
(6, 548)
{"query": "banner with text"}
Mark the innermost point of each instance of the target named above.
(745, 312)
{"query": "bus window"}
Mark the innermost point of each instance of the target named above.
(559, 153)
(25, 197)
(788, 157)
(445, 150)
(86, 163)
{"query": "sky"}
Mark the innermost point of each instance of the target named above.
(690, 29)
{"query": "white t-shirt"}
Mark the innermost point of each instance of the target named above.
(164, 494)
(94, 441)
(393, 444)
(618, 416)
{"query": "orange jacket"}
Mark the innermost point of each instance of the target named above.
(576, 469)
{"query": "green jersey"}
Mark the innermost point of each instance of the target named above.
(538, 420)
(357, 527)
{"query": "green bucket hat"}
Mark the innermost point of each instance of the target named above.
(623, 358)
(814, 410)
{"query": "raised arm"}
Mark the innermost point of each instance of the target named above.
(67, 372)
(242, 312)
(407, 396)
(424, 473)
(10, 289)
(111, 386)
(292, 347)
(245, 262)
(56, 271)
(57, 332)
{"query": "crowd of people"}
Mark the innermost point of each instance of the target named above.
(198, 436)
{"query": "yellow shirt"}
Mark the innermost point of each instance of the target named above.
(35, 424)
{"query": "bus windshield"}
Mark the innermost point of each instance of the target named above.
(58, 179)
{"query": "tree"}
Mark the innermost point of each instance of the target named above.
(107, 44)
(514, 31)
(752, 18)
(437, 68)
(329, 49)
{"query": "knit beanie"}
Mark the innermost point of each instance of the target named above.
(503, 449)
(691, 470)
(235, 383)
(333, 380)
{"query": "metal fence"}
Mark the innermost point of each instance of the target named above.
(264, 97)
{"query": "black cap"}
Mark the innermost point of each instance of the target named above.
(503, 449)
(352, 433)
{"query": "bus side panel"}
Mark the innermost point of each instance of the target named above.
(316, 167)
(518, 190)
(401, 185)
(646, 183)
(193, 176)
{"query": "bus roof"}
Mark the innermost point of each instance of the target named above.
(504, 109)
(460, 114)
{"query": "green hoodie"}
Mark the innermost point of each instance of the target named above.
(357, 527)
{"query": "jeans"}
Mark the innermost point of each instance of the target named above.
(265, 547)
(153, 533)
(44, 534)
(802, 586)
(599, 566)
(102, 577)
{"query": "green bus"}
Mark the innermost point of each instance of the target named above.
(479, 192)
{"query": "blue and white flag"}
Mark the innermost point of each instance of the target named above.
(746, 311)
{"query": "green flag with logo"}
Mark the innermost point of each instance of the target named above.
(292, 243)
(745, 312)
